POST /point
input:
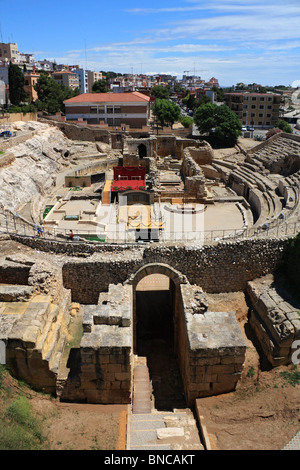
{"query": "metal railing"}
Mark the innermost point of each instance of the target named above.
(15, 225)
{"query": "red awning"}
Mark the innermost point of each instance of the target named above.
(124, 185)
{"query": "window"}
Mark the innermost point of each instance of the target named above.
(117, 109)
(253, 106)
(245, 106)
(261, 106)
(93, 110)
(101, 110)
(110, 110)
(262, 98)
(253, 98)
(269, 115)
(260, 115)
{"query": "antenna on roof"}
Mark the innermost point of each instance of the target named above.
(85, 54)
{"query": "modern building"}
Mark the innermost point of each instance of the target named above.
(68, 79)
(114, 109)
(83, 76)
(92, 78)
(9, 52)
(255, 109)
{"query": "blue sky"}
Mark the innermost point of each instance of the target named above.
(233, 40)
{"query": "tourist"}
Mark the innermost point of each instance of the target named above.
(71, 235)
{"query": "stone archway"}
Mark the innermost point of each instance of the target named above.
(142, 150)
(175, 276)
(157, 313)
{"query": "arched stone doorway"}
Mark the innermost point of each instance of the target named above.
(156, 312)
(142, 149)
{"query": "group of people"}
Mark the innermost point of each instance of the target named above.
(39, 231)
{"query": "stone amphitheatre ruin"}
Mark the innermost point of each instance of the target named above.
(61, 175)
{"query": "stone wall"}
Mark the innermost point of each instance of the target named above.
(6, 144)
(101, 371)
(76, 132)
(212, 348)
(275, 319)
(226, 267)
(222, 267)
(15, 117)
(194, 179)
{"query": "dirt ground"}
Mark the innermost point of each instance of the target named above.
(264, 411)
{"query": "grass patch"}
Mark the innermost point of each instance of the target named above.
(20, 429)
(293, 377)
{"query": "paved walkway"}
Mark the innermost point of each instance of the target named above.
(149, 429)
(160, 430)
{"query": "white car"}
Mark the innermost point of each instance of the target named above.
(244, 128)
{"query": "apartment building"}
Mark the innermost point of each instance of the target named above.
(92, 78)
(114, 109)
(9, 52)
(66, 78)
(30, 81)
(255, 109)
(83, 76)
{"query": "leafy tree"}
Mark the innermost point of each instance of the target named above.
(189, 101)
(160, 92)
(100, 86)
(219, 92)
(166, 112)
(222, 124)
(186, 121)
(284, 126)
(51, 94)
(16, 82)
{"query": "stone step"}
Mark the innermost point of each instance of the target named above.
(160, 430)
(141, 390)
(15, 293)
(30, 325)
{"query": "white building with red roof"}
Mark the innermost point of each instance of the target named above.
(114, 109)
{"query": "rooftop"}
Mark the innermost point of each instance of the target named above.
(109, 98)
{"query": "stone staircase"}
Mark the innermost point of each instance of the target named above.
(142, 393)
(149, 429)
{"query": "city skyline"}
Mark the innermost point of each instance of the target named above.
(232, 40)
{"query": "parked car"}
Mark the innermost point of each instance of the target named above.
(250, 128)
(244, 128)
